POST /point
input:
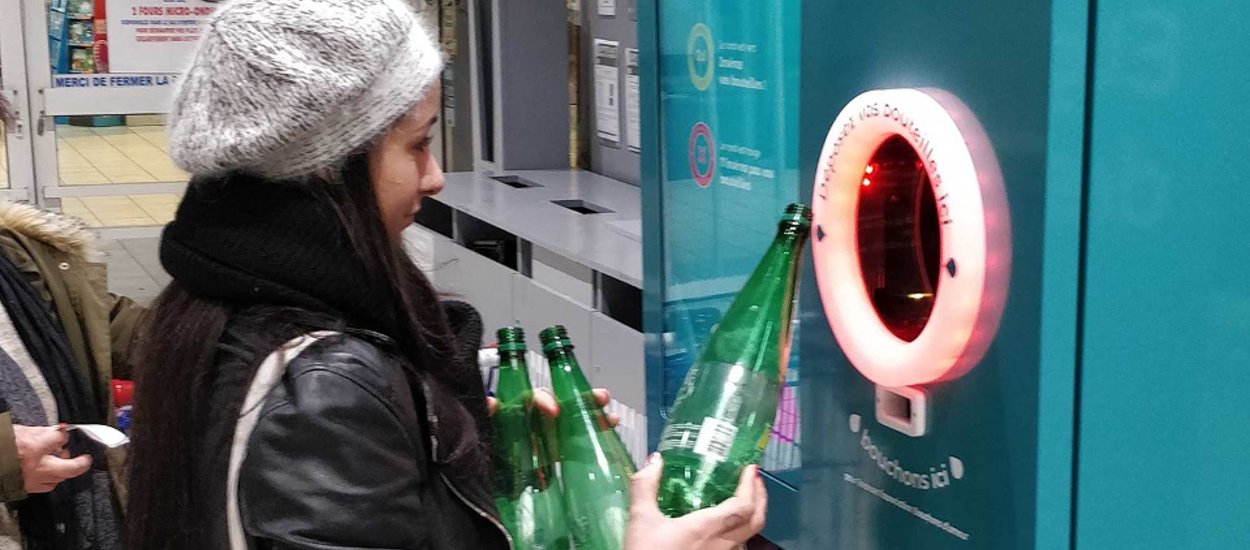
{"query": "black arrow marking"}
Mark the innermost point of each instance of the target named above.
(820, 234)
(950, 266)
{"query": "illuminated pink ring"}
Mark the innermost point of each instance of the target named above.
(975, 232)
(702, 178)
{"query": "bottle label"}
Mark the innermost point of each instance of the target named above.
(725, 425)
(716, 438)
(678, 436)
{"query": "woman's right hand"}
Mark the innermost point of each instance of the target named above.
(726, 526)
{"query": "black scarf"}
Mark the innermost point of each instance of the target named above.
(248, 242)
(49, 347)
(244, 241)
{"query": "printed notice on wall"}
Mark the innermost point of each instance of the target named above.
(607, 8)
(114, 80)
(607, 90)
(155, 36)
(633, 98)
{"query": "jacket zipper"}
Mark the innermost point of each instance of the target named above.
(475, 508)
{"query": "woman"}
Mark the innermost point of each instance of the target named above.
(306, 126)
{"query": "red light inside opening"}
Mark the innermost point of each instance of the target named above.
(868, 170)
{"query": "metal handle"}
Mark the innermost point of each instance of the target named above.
(18, 128)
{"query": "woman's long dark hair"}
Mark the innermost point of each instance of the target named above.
(178, 348)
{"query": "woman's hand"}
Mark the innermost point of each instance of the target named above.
(547, 405)
(549, 409)
(726, 526)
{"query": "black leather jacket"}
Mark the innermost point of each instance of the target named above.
(341, 458)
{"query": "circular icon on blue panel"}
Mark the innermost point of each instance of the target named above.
(702, 153)
(700, 56)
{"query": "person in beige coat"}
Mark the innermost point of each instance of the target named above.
(55, 264)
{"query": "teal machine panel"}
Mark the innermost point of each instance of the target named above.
(1024, 323)
(1164, 433)
(952, 462)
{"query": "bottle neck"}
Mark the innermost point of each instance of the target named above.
(561, 356)
(567, 379)
(512, 359)
(755, 330)
(514, 379)
(792, 233)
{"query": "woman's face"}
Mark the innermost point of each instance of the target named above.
(402, 169)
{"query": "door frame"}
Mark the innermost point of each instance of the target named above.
(50, 102)
(13, 85)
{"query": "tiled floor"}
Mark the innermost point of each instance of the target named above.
(134, 268)
(121, 154)
(122, 211)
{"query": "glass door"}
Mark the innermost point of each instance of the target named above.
(105, 83)
(16, 160)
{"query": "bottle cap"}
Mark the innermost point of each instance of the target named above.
(123, 393)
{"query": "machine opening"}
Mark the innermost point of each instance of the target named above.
(899, 238)
(903, 409)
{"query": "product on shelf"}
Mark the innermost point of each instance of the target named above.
(81, 60)
(81, 32)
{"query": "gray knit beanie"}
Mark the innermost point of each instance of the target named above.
(282, 88)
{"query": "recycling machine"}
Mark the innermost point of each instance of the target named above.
(1024, 320)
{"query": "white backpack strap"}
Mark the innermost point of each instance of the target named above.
(268, 375)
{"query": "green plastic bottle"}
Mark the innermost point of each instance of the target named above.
(524, 480)
(722, 415)
(594, 464)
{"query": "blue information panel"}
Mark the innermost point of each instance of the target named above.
(729, 135)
